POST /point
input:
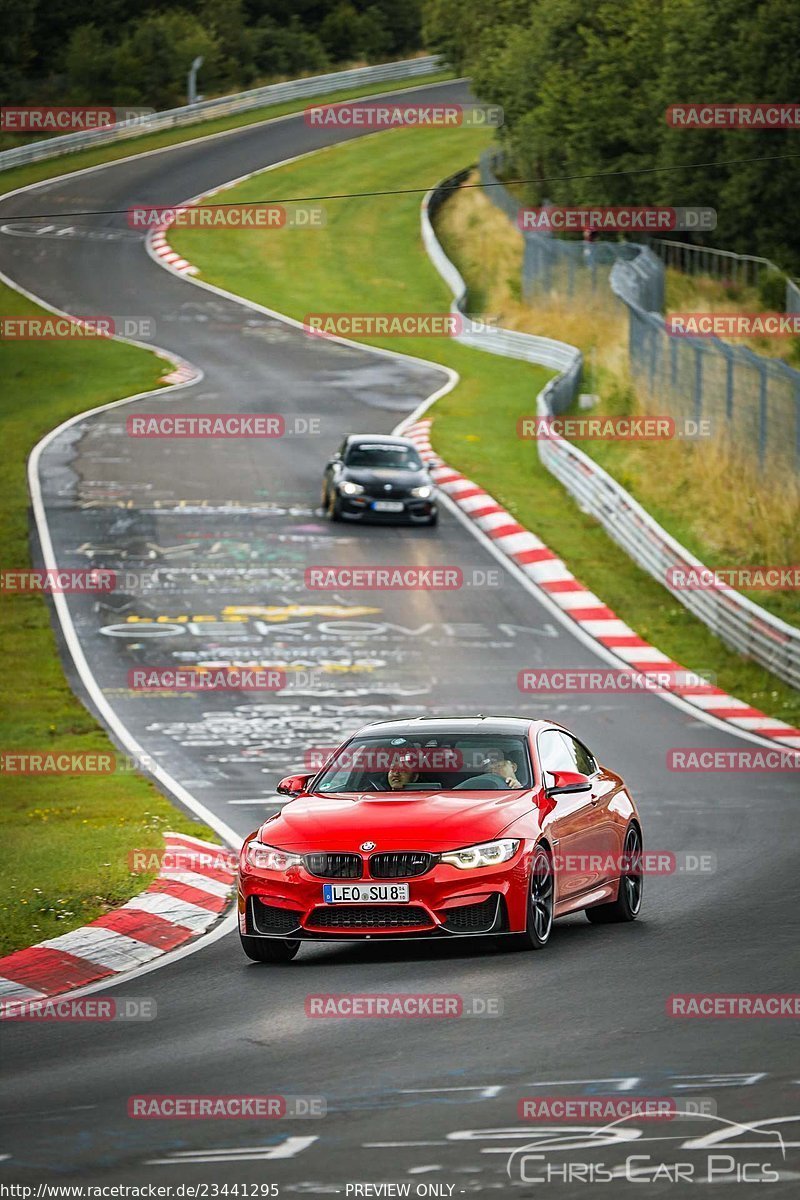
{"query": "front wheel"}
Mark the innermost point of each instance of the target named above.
(333, 510)
(269, 950)
(541, 903)
(628, 903)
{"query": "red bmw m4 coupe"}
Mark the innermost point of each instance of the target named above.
(442, 827)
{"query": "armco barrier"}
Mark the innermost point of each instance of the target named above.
(745, 626)
(546, 352)
(189, 114)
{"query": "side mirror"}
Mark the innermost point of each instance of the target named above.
(566, 782)
(294, 785)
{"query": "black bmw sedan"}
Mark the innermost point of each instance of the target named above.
(374, 477)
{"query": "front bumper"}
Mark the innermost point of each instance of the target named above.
(360, 508)
(445, 902)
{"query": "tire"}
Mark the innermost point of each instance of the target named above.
(333, 510)
(269, 950)
(628, 903)
(434, 521)
(541, 903)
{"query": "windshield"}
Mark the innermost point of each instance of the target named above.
(384, 456)
(393, 764)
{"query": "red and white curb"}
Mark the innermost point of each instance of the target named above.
(187, 897)
(595, 618)
(162, 249)
(182, 372)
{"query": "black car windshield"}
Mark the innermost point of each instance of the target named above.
(381, 763)
(383, 456)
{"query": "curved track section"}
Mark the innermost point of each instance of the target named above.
(223, 532)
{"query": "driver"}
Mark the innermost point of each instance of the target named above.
(400, 776)
(496, 763)
(498, 772)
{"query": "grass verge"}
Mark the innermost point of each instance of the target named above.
(66, 838)
(369, 258)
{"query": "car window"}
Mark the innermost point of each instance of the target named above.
(585, 761)
(383, 456)
(554, 753)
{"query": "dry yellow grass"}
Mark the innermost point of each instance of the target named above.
(720, 506)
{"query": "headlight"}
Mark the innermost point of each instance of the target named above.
(269, 858)
(423, 492)
(487, 855)
(350, 489)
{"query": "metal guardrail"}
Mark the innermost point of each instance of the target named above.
(751, 400)
(190, 114)
(739, 622)
(546, 352)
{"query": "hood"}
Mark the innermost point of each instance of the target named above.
(432, 821)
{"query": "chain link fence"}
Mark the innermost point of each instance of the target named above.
(749, 400)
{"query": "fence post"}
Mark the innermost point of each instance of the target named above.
(698, 383)
(728, 382)
(762, 412)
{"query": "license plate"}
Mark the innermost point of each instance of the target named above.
(365, 893)
(388, 506)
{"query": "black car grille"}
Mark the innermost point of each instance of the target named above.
(335, 866)
(404, 865)
(472, 918)
(268, 918)
(368, 916)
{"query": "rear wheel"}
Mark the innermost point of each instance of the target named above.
(628, 903)
(541, 899)
(269, 950)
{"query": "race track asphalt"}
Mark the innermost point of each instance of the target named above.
(226, 529)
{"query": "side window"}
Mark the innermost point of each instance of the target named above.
(582, 760)
(554, 754)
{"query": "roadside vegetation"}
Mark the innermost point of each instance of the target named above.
(369, 257)
(685, 486)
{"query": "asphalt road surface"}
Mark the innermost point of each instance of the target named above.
(222, 532)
